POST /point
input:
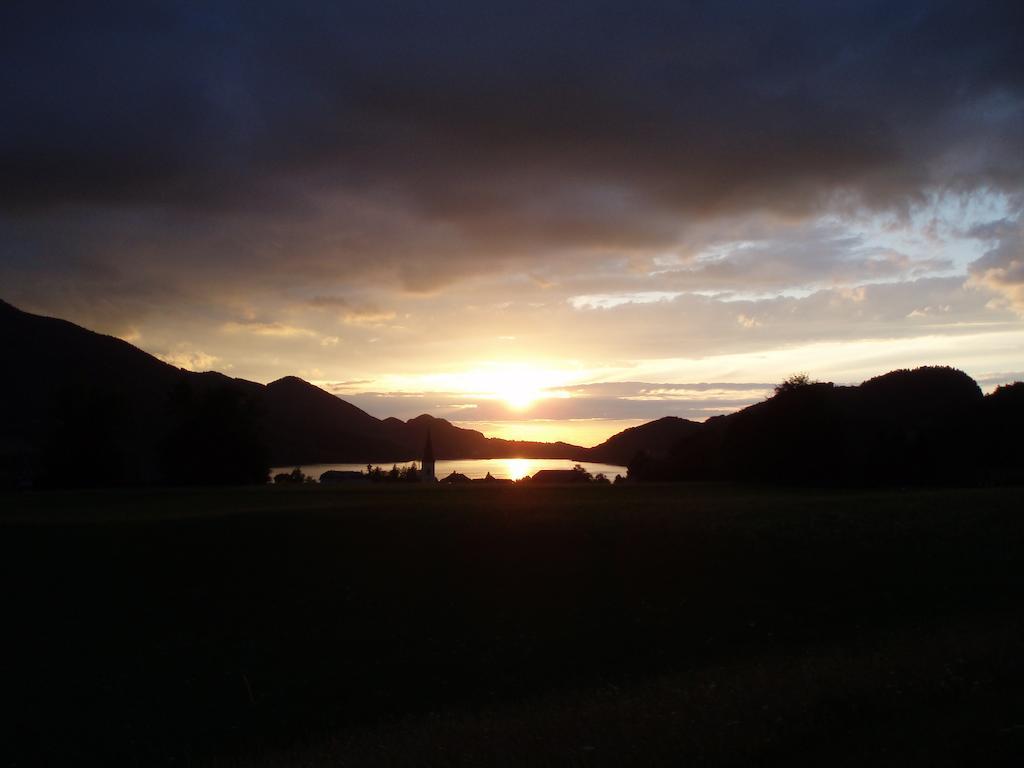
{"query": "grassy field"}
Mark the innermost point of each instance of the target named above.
(597, 625)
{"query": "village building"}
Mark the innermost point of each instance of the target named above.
(560, 476)
(492, 480)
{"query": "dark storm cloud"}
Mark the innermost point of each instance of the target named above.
(468, 113)
(215, 149)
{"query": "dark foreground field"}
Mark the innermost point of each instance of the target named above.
(513, 626)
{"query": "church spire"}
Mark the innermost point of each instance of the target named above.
(428, 473)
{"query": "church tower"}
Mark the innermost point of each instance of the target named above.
(427, 471)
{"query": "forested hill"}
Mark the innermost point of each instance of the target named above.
(928, 426)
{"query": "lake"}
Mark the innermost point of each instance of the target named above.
(513, 469)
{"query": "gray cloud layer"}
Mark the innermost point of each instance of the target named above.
(405, 140)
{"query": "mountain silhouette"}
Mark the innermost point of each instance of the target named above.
(928, 426)
(82, 408)
(654, 437)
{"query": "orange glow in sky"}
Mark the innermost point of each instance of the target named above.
(518, 385)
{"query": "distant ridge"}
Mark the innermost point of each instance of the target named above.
(112, 413)
(654, 437)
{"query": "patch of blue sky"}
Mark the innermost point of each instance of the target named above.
(939, 228)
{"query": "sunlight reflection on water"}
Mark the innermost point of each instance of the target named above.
(513, 469)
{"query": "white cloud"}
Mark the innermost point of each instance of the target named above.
(182, 356)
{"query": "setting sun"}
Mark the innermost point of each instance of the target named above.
(519, 388)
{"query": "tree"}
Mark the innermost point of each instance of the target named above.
(793, 383)
(579, 468)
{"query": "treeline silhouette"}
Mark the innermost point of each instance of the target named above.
(927, 426)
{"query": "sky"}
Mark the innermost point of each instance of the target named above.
(541, 220)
